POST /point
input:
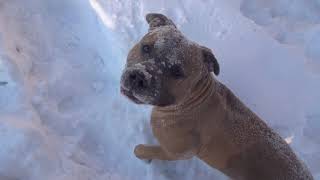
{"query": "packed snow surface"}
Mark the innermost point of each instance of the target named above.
(62, 116)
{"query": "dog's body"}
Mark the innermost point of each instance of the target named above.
(196, 115)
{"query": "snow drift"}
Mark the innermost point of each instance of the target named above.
(62, 116)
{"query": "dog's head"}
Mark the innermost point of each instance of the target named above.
(164, 66)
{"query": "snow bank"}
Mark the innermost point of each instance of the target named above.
(297, 23)
(62, 116)
(54, 55)
(290, 22)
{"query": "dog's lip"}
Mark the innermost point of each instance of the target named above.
(123, 91)
(129, 95)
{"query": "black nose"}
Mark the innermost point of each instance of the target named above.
(137, 80)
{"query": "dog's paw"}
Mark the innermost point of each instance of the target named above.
(139, 151)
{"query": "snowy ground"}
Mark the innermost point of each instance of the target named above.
(62, 116)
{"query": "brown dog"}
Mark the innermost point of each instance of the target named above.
(196, 115)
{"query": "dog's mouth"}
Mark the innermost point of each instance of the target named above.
(130, 95)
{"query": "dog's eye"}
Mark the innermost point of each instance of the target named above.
(176, 71)
(146, 48)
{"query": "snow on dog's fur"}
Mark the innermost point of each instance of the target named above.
(196, 115)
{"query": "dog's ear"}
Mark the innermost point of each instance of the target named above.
(156, 20)
(210, 60)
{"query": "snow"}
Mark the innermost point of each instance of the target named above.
(290, 22)
(62, 116)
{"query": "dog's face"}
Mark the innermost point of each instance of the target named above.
(164, 66)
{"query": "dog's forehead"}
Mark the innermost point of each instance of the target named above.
(161, 34)
(167, 43)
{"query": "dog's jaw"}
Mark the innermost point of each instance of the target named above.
(130, 96)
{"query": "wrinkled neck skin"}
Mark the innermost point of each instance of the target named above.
(199, 94)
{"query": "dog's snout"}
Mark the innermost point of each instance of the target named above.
(137, 80)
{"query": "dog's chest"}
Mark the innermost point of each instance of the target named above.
(177, 136)
(169, 130)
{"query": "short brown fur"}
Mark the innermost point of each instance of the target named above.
(208, 121)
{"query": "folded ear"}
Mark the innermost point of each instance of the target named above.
(210, 60)
(156, 20)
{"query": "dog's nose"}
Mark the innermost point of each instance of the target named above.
(137, 80)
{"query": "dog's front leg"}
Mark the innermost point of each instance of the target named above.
(149, 152)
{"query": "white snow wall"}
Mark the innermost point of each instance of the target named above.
(62, 116)
(55, 118)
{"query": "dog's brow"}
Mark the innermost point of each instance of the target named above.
(149, 38)
(151, 43)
